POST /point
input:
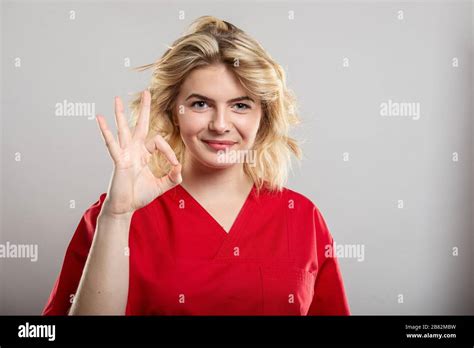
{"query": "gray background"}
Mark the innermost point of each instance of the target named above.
(407, 251)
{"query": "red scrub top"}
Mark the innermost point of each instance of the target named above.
(182, 262)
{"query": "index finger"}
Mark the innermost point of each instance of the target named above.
(141, 129)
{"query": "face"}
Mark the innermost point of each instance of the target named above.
(216, 115)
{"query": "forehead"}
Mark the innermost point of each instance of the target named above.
(214, 81)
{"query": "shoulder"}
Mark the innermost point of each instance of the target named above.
(294, 200)
(86, 228)
(297, 197)
(305, 213)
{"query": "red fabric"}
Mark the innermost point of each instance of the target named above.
(182, 262)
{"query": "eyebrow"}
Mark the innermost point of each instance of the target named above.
(199, 96)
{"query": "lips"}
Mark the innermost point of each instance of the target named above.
(219, 144)
(222, 142)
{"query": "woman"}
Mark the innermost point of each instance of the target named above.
(196, 220)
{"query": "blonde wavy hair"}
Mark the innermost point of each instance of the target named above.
(209, 40)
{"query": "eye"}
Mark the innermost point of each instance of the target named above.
(242, 106)
(200, 105)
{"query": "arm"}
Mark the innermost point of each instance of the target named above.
(104, 283)
(329, 293)
(103, 288)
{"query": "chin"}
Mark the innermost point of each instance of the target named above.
(213, 162)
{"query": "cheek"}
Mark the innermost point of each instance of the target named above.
(191, 124)
(248, 127)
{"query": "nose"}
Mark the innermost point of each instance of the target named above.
(219, 122)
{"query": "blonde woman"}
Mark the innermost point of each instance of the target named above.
(196, 219)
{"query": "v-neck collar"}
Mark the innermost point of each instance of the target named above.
(237, 222)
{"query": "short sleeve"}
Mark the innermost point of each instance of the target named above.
(68, 279)
(329, 294)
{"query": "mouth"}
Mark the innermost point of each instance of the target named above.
(219, 144)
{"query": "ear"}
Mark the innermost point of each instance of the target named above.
(172, 117)
(175, 121)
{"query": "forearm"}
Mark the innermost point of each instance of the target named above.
(103, 288)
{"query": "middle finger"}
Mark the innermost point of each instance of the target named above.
(122, 126)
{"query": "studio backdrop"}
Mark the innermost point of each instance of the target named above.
(385, 97)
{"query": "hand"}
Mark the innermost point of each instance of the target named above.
(133, 185)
